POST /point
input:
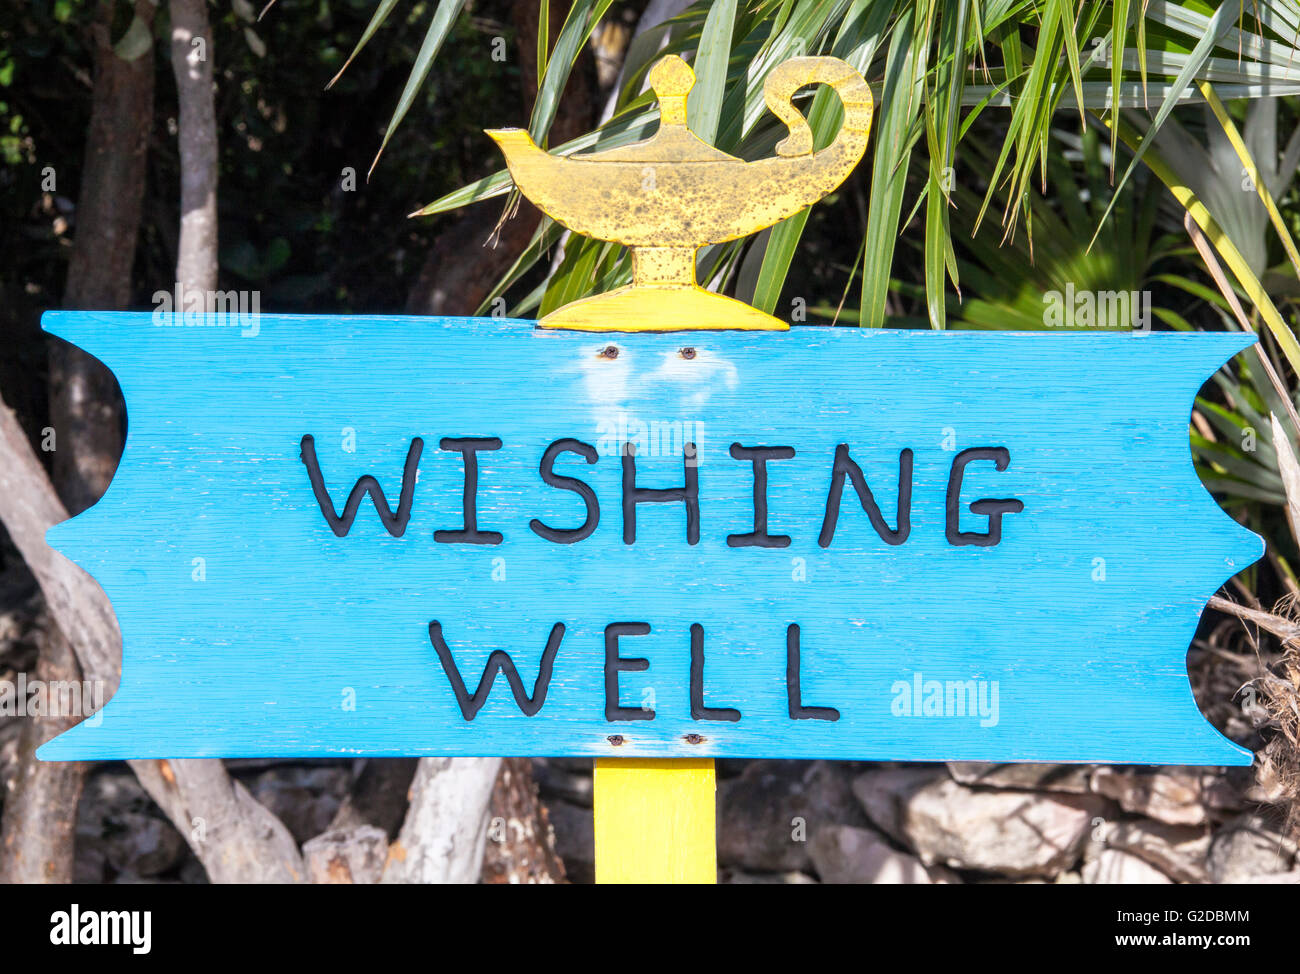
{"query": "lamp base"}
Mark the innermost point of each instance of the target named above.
(660, 307)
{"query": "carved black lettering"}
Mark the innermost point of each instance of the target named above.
(582, 489)
(394, 521)
(498, 660)
(846, 467)
(698, 710)
(758, 456)
(992, 507)
(615, 664)
(634, 495)
(793, 680)
(469, 447)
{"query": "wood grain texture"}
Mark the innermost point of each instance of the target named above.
(292, 641)
(654, 821)
(247, 843)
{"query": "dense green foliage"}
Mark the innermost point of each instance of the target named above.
(287, 225)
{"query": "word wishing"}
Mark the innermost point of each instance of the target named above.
(843, 471)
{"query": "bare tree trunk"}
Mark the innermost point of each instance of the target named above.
(37, 843)
(40, 819)
(521, 843)
(446, 826)
(192, 58)
(28, 508)
(85, 403)
(237, 839)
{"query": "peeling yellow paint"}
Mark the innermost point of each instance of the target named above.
(673, 193)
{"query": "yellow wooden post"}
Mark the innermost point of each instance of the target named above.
(655, 820)
(665, 198)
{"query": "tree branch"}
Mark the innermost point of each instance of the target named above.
(442, 838)
(192, 59)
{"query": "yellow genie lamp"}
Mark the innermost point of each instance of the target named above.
(673, 193)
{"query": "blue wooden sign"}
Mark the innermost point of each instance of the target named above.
(451, 536)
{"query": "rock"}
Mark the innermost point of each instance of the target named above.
(558, 781)
(120, 829)
(355, 855)
(843, 854)
(304, 797)
(1274, 879)
(731, 767)
(1113, 866)
(90, 864)
(883, 794)
(1013, 833)
(14, 623)
(24, 624)
(1178, 796)
(766, 816)
(1247, 847)
(149, 846)
(736, 877)
(575, 841)
(575, 765)
(1071, 778)
(1178, 851)
(129, 878)
(23, 630)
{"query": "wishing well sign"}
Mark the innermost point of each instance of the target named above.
(475, 537)
(460, 536)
